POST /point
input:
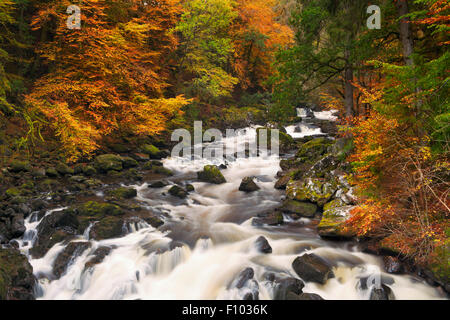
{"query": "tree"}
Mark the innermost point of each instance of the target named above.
(206, 49)
(107, 77)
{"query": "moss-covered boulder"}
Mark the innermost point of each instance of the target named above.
(162, 171)
(335, 215)
(108, 162)
(123, 193)
(313, 150)
(129, 162)
(107, 228)
(19, 166)
(299, 208)
(99, 210)
(211, 174)
(64, 169)
(312, 190)
(13, 192)
(16, 276)
(178, 192)
(152, 151)
(89, 171)
(51, 172)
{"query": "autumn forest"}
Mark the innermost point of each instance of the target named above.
(92, 90)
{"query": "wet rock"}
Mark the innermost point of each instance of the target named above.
(99, 210)
(313, 150)
(24, 209)
(51, 172)
(311, 190)
(286, 286)
(17, 226)
(381, 293)
(152, 151)
(16, 276)
(178, 192)
(108, 162)
(211, 174)
(281, 183)
(72, 251)
(248, 185)
(263, 245)
(107, 228)
(392, 265)
(333, 222)
(129, 162)
(312, 268)
(162, 170)
(272, 219)
(158, 185)
(56, 227)
(243, 277)
(123, 193)
(302, 209)
(189, 187)
(376, 280)
(98, 256)
(19, 166)
(89, 171)
(64, 169)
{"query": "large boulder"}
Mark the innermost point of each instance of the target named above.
(248, 185)
(299, 208)
(312, 190)
(284, 287)
(333, 222)
(108, 162)
(123, 193)
(313, 150)
(211, 174)
(262, 245)
(19, 166)
(271, 218)
(178, 192)
(312, 268)
(16, 276)
(72, 251)
(55, 227)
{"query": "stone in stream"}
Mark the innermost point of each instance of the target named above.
(108, 162)
(211, 174)
(17, 281)
(123, 193)
(245, 283)
(157, 185)
(283, 287)
(333, 222)
(263, 245)
(72, 251)
(281, 183)
(178, 192)
(381, 293)
(248, 185)
(272, 219)
(98, 256)
(312, 268)
(189, 187)
(300, 208)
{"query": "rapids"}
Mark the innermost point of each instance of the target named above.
(214, 225)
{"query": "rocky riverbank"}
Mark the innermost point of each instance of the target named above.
(93, 201)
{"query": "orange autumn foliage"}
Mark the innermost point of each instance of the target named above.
(107, 76)
(257, 36)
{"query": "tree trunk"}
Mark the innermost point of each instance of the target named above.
(405, 32)
(348, 86)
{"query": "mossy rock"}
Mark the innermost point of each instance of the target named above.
(16, 276)
(98, 210)
(313, 150)
(286, 142)
(211, 174)
(89, 171)
(51, 172)
(152, 151)
(162, 170)
(312, 190)
(303, 209)
(108, 162)
(333, 222)
(129, 162)
(19, 166)
(123, 193)
(64, 169)
(13, 192)
(190, 188)
(107, 228)
(178, 192)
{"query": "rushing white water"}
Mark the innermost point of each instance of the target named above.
(214, 222)
(326, 115)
